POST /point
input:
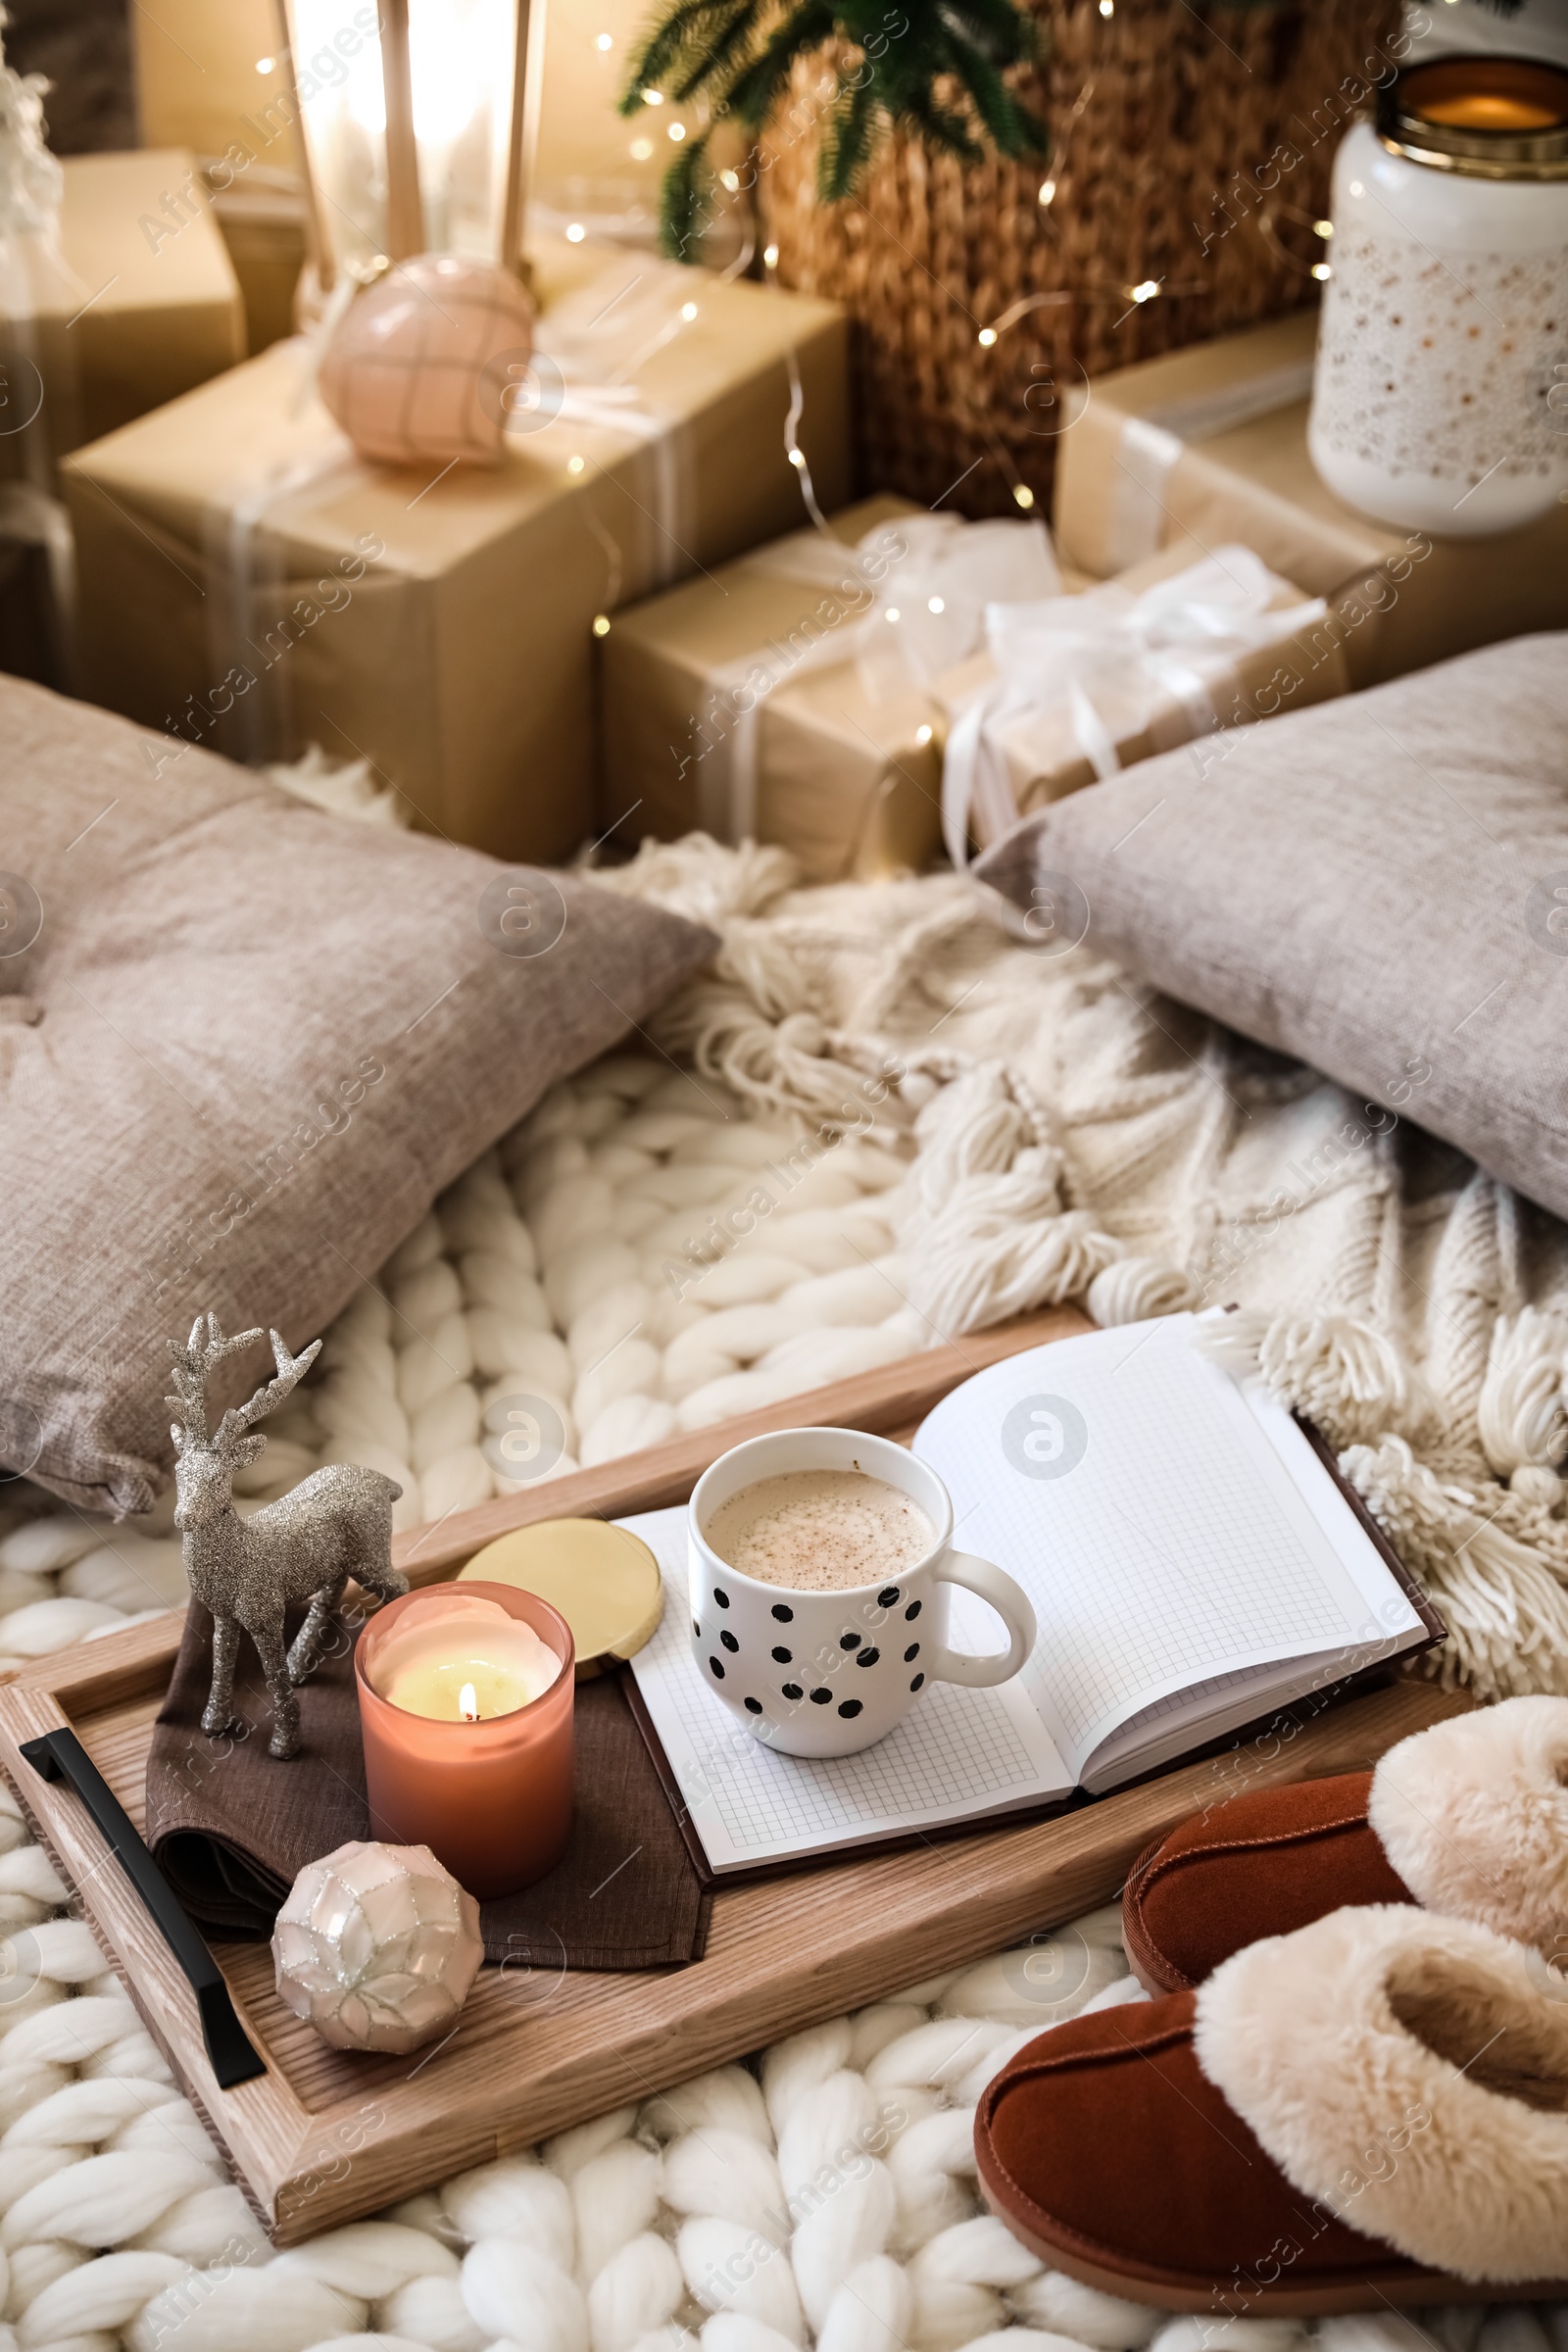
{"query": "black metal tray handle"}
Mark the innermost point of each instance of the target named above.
(60, 1756)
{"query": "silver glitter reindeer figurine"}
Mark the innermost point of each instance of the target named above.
(336, 1524)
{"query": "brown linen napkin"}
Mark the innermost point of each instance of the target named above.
(231, 1827)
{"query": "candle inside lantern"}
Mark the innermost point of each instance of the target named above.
(408, 117)
(465, 1708)
(465, 1665)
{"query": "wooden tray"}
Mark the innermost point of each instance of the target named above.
(326, 2137)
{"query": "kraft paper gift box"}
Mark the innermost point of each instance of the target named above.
(250, 583)
(1079, 687)
(261, 217)
(1210, 444)
(108, 320)
(804, 695)
(789, 698)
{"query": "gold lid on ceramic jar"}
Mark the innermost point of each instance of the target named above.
(1483, 118)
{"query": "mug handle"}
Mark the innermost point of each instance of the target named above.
(1011, 1604)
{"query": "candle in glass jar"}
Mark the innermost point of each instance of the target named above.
(465, 1708)
(466, 1667)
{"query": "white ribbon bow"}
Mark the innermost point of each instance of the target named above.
(1172, 642)
(913, 593)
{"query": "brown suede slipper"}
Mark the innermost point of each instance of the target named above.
(1371, 2111)
(1469, 1816)
(1262, 1865)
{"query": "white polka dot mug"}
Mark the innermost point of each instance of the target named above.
(823, 1674)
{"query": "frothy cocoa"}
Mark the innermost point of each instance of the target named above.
(820, 1531)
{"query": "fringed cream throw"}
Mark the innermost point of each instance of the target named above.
(1074, 1136)
(880, 1120)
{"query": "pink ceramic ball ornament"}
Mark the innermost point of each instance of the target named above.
(404, 369)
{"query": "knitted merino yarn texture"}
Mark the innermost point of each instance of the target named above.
(824, 2196)
(879, 1120)
(1073, 1136)
(987, 1128)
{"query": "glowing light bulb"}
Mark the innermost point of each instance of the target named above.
(770, 256)
(730, 181)
(1023, 496)
(641, 150)
(987, 336)
(600, 624)
(574, 464)
(1356, 188)
(893, 612)
(604, 40)
(576, 232)
(797, 457)
(1321, 270)
(935, 603)
(1107, 7)
(677, 131)
(1048, 191)
(1324, 228)
(922, 735)
(653, 97)
(688, 311)
(1146, 291)
(266, 65)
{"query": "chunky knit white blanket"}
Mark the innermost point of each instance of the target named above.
(879, 1121)
(825, 2196)
(882, 1120)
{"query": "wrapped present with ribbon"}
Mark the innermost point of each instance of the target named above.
(1209, 445)
(1074, 688)
(249, 583)
(101, 319)
(792, 696)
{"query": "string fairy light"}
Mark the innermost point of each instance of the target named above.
(1147, 290)
(1267, 226)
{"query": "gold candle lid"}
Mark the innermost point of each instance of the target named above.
(603, 1579)
(1482, 117)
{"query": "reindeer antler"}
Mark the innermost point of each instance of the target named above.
(192, 1363)
(291, 1369)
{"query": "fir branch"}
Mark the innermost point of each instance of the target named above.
(999, 111)
(683, 200)
(994, 27)
(736, 58)
(938, 125)
(757, 89)
(847, 142)
(687, 29)
(712, 65)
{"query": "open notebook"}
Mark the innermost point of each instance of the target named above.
(1194, 1561)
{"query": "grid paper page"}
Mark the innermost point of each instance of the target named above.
(1166, 1542)
(957, 1753)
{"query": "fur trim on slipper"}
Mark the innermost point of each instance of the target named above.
(1473, 1814)
(1411, 2074)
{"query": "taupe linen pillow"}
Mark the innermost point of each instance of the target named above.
(1378, 886)
(242, 1046)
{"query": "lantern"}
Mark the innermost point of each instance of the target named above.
(414, 128)
(1437, 402)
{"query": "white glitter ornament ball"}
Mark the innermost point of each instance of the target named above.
(417, 370)
(377, 1946)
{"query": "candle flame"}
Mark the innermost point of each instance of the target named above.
(468, 1703)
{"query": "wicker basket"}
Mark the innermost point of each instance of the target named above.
(1159, 115)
